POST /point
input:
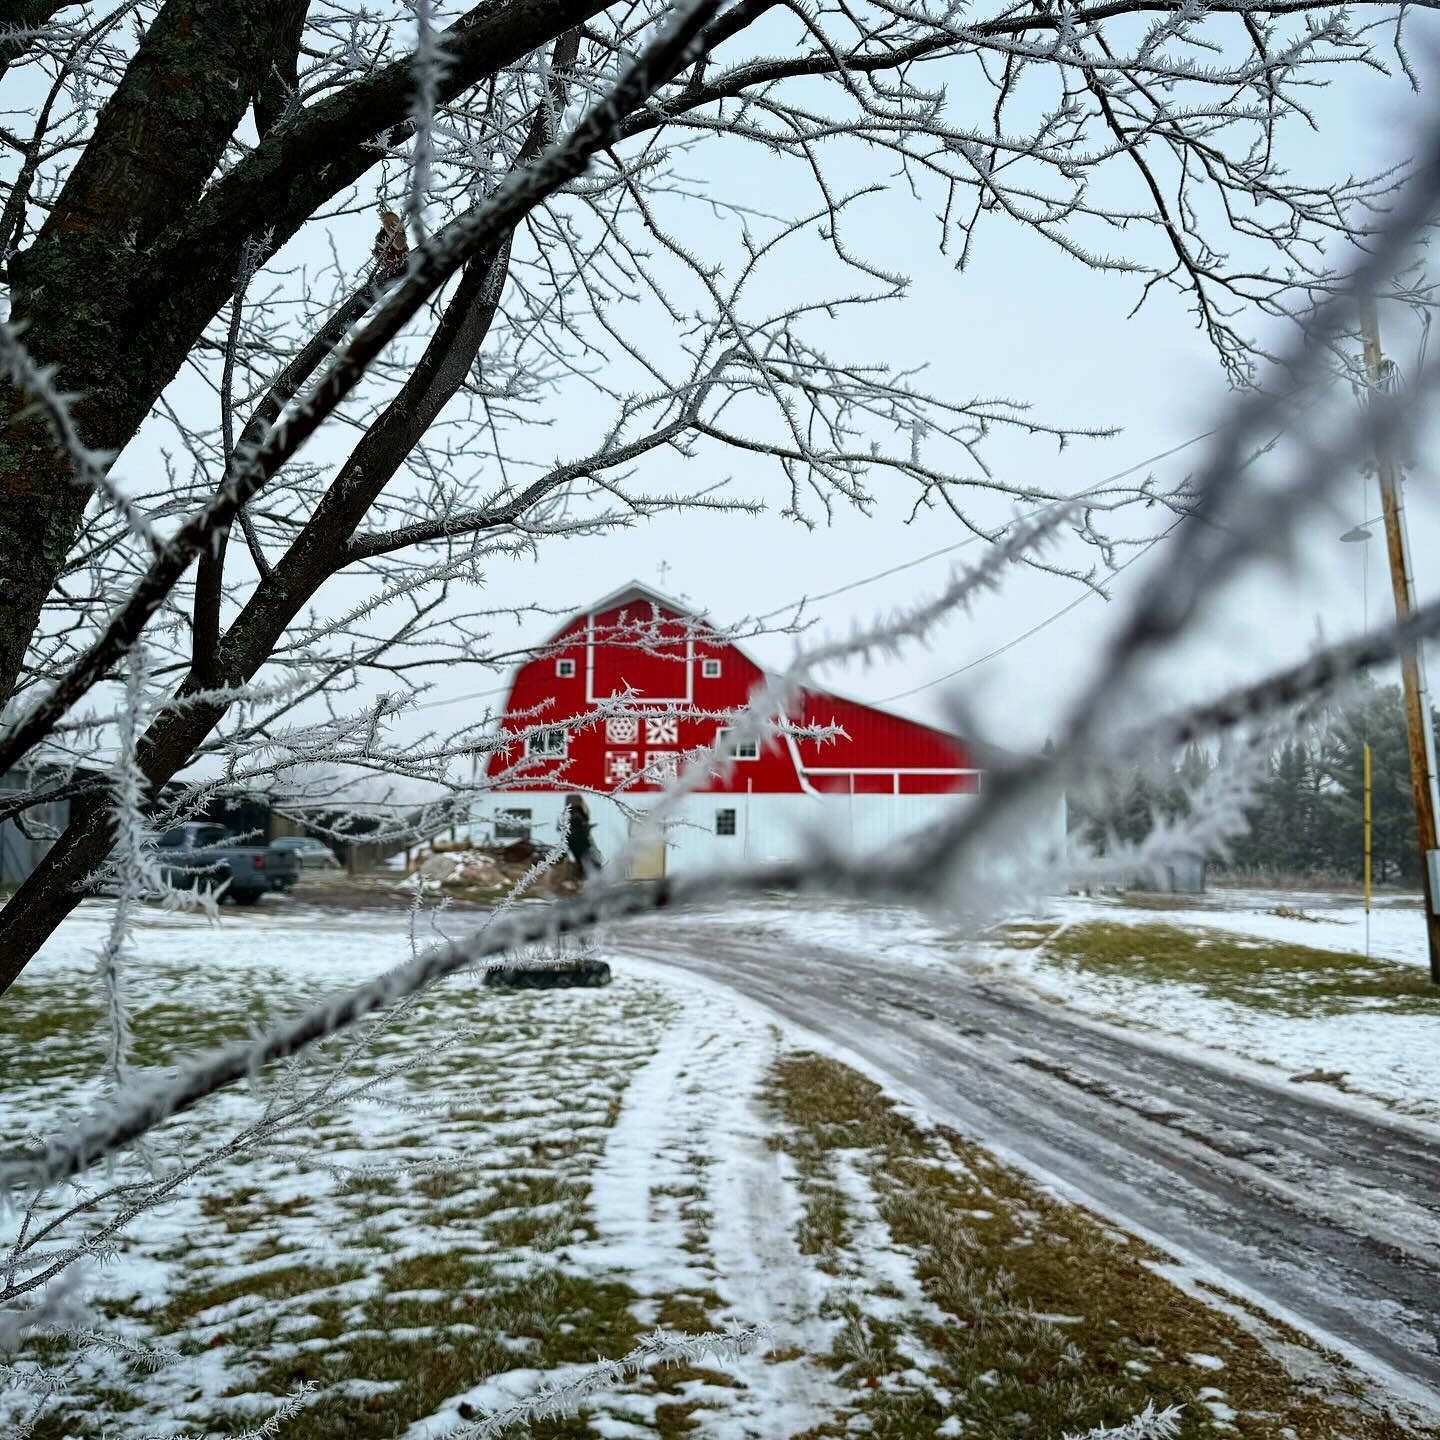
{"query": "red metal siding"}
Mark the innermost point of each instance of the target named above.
(876, 739)
(658, 671)
(645, 649)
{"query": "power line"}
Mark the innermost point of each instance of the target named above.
(456, 699)
(1033, 630)
(973, 539)
(924, 559)
(1079, 599)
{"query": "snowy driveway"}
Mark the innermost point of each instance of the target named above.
(1321, 1211)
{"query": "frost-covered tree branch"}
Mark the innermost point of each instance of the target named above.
(236, 265)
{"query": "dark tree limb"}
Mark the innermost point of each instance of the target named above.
(115, 292)
(23, 17)
(279, 82)
(54, 887)
(94, 265)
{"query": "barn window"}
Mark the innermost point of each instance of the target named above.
(745, 750)
(724, 822)
(565, 669)
(513, 824)
(546, 742)
(710, 669)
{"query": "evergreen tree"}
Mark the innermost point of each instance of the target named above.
(1375, 713)
(1307, 814)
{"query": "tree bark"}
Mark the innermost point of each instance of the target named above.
(55, 887)
(115, 291)
(82, 293)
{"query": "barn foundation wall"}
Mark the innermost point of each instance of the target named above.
(765, 827)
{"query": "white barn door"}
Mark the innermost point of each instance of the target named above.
(647, 859)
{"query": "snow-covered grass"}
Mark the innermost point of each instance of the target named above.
(1281, 980)
(1394, 931)
(976, 1303)
(523, 1183)
(1269, 975)
(432, 1249)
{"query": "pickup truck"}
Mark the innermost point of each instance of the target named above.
(197, 854)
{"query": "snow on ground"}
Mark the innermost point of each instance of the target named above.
(567, 1160)
(1330, 921)
(518, 1184)
(1371, 1051)
(1335, 922)
(1367, 1049)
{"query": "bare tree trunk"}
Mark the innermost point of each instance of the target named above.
(85, 289)
(53, 890)
(138, 255)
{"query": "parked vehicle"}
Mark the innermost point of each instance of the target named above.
(312, 854)
(196, 854)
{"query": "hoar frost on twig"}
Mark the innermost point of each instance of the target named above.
(563, 1399)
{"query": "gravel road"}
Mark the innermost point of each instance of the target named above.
(1313, 1208)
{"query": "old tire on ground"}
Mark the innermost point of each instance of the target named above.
(559, 975)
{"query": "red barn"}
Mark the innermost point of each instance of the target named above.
(676, 681)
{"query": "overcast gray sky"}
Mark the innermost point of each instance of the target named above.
(1022, 322)
(1025, 323)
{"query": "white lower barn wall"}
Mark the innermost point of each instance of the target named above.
(766, 827)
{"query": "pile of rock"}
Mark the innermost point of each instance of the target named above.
(482, 871)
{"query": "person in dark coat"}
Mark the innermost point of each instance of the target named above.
(579, 833)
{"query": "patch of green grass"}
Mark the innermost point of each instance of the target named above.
(568, 1319)
(522, 1205)
(103, 1408)
(689, 1313)
(282, 1283)
(368, 1185)
(866, 1348)
(445, 1184)
(38, 1012)
(528, 1192)
(1048, 1311)
(823, 1229)
(545, 1230)
(165, 1032)
(248, 1208)
(219, 1204)
(678, 1418)
(1262, 974)
(269, 1248)
(435, 1270)
(47, 1025)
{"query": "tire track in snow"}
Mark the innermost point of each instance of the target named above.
(699, 1098)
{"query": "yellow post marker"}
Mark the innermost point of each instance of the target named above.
(1367, 849)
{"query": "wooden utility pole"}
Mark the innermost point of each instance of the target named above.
(1418, 724)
